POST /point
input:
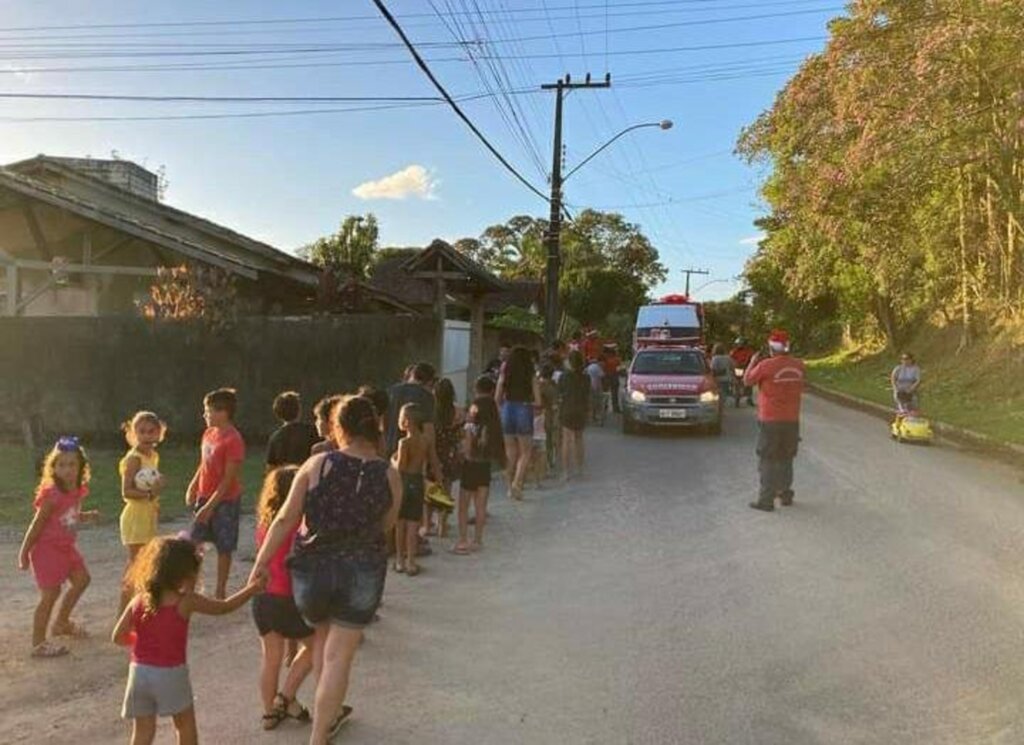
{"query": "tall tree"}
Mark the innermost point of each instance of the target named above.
(348, 253)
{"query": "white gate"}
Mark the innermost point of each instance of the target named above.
(455, 357)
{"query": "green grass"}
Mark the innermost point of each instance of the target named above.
(975, 389)
(18, 466)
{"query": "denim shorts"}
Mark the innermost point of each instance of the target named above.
(517, 418)
(156, 691)
(337, 589)
(222, 529)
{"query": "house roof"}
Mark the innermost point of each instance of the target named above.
(519, 293)
(388, 275)
(58, 184)
(463, 275)
(391, 274)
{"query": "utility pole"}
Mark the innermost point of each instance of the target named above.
(553, 237)
(688, 273)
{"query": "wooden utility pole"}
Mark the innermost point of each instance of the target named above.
(689, 273)
(553, 237)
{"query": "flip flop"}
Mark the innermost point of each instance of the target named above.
(47, 650)
(412, 571)
(460, 549)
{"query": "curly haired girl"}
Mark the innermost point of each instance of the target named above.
(277, 618)
(155, 626)
(49, 546)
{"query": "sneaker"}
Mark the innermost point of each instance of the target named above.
(762, 506)
(346, 713)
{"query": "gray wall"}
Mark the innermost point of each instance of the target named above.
(86, 375)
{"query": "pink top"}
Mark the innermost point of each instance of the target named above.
(280, 582)
(160, 638)
(61, 528)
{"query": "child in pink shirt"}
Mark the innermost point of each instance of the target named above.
(49, 546)
(277, 618)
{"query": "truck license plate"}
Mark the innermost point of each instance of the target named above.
(672, 413)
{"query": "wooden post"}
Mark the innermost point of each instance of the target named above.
(440, 312)
(12, 290)
(476, 342)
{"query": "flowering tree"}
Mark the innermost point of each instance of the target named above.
(193, 292)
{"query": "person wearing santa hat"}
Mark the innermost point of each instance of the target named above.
(780, 379)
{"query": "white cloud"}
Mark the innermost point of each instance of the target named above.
(752, 240)
(411, 181)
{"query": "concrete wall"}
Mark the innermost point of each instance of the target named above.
(85, 375)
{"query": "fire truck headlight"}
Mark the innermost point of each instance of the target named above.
(709, 397)
(637, 397)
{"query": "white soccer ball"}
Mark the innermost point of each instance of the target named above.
(146, 479)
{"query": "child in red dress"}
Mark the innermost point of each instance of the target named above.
(49, 546)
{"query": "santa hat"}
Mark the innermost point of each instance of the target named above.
(778, 341)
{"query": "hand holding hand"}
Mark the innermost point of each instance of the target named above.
(259, 577)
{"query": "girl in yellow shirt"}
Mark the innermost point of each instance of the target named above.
(141, 483)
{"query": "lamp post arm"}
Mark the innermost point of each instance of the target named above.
(605, 145)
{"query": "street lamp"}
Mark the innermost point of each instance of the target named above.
(712, 282)
(553, 238)
(663, 124)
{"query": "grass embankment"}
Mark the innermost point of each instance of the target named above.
(20, 476)
(977, 389)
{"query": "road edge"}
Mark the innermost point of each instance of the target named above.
(1006, 451)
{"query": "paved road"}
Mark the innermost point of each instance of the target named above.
(650, 605)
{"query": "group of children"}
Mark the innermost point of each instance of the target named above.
(159, 593)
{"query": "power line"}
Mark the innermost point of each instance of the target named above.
(219, 99)
(451, 102)
(690, 4)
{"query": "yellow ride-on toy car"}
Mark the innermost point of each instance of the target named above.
(912, 427)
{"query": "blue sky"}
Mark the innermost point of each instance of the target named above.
(289, 179)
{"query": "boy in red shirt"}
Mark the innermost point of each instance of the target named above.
(780, 381)
(215, 492)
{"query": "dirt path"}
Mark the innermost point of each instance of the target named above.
(78, 698)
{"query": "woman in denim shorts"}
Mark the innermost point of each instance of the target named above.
(349, 499)
(518, 393)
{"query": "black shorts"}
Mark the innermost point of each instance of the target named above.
(413, 492)
(278, 614)
(476, 474)
(574, 420)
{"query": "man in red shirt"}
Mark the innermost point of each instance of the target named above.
(780, 380)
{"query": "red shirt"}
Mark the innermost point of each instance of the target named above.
(780, 383)
(161, 638)
(61, 529)
(220, 447)
(741, 356)
(280, 582)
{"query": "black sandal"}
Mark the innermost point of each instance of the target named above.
(283, 704)
(272, 720)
